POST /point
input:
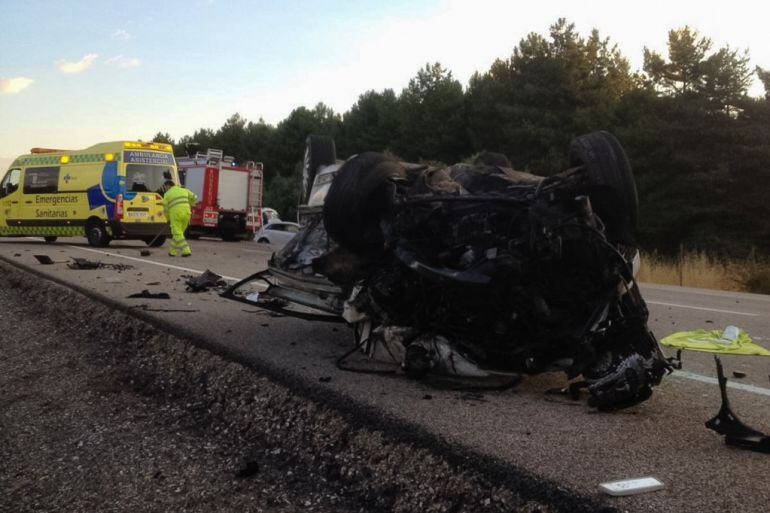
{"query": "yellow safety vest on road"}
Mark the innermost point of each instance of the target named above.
(730, 341)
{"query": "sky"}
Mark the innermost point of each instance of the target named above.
(75, 73)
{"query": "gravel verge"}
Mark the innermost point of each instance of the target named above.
(102, 411)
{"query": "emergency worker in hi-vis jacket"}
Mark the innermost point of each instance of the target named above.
(178, 203)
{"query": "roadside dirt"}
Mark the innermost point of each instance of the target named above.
(101, 411)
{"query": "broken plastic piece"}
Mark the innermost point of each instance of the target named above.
(631, 486)
(82, 263)
(146, 294)
(675, 361)
(248, 468)
(204, 282)
(44, 259)
(739, 374)
(726, 423)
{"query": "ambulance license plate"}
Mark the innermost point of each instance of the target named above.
(137, 215)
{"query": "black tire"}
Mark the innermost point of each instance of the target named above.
(50, 238)
(96, 233)
(228, 230)
(360, 196)
(490, 158)
(611, 186)
(319, 151)
(155, 242)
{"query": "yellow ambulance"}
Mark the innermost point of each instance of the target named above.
(109, 191)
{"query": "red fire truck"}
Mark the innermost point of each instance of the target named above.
(230, 195)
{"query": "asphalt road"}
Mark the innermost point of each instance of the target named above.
(554, 438)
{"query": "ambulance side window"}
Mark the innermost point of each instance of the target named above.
(41, 180)
(10, 183)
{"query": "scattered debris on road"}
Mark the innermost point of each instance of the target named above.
(83, 264)
(166, 425)
(145, 252)
(727, 423)
(248, 468)
(739, 374)
(146, 308)
(146, 294)
(204, 281)
(89, 265)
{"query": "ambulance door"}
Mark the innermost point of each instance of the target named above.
(41, 204)
(10, 196)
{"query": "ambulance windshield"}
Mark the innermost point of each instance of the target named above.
(147, 177)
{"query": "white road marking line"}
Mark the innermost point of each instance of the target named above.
(268, 252)
(161, 264)
(713, 381)
(732, 312)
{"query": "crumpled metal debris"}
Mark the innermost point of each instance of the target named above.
(146, 294)
(473, 269)
(726, 423)
(420, 353)
(82, 263)
(204, 281)
(146, 308)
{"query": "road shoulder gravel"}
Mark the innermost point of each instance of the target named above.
(102, 411)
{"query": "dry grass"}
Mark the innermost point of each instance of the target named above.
(702, 271)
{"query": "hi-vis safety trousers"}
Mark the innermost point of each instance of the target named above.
(179, 219)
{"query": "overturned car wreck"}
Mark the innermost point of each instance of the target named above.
(475, 269)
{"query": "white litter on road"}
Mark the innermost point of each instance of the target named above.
(631, 486)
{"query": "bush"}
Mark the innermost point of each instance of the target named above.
(758, 281)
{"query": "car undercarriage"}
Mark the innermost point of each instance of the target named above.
(475, 269)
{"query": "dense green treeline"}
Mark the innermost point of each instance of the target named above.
(699, 145)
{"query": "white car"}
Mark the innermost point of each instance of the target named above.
(278, 233)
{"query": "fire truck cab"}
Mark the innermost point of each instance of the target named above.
(230, 195)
